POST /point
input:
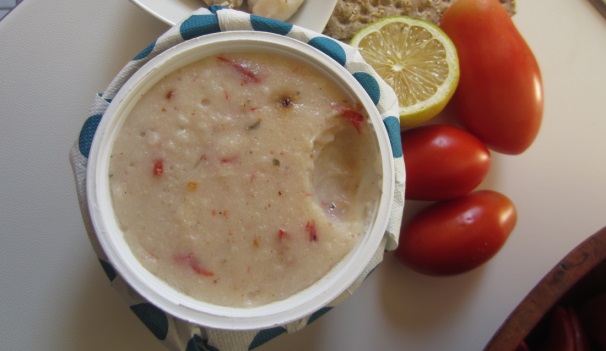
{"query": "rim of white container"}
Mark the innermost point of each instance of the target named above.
(155, 290)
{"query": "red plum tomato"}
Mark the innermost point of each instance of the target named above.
(442, 162)
(500, 93)
(455, 236)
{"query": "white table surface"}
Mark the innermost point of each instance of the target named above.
(55, 55)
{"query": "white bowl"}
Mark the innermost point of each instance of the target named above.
(156, 290)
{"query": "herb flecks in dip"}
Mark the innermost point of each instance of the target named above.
(243, 178)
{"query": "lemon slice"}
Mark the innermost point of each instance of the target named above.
(417, 59)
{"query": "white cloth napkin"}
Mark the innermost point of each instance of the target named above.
(180, 335)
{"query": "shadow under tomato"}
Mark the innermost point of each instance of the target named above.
(417, 302)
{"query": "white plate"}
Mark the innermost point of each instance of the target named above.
(313, 14)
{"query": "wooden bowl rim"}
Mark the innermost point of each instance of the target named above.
(556, 283)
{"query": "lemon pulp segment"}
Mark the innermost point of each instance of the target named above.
(416, 59)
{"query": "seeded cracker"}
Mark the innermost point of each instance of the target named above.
(350, 16)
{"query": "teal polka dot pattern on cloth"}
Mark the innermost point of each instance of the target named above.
(319, 313)
(196, 343)
(154, 319)
(87, 133)
(269, 25)
(370, 85)
(265, 335)
(108, 269)
(180, 335)
(143, 54)
(392, 125)
(198, 25)
(330, 47)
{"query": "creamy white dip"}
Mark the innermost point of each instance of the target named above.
(243, 178)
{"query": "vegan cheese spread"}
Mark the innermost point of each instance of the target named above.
(243, 178)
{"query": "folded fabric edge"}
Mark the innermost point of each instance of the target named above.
(196, 335)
